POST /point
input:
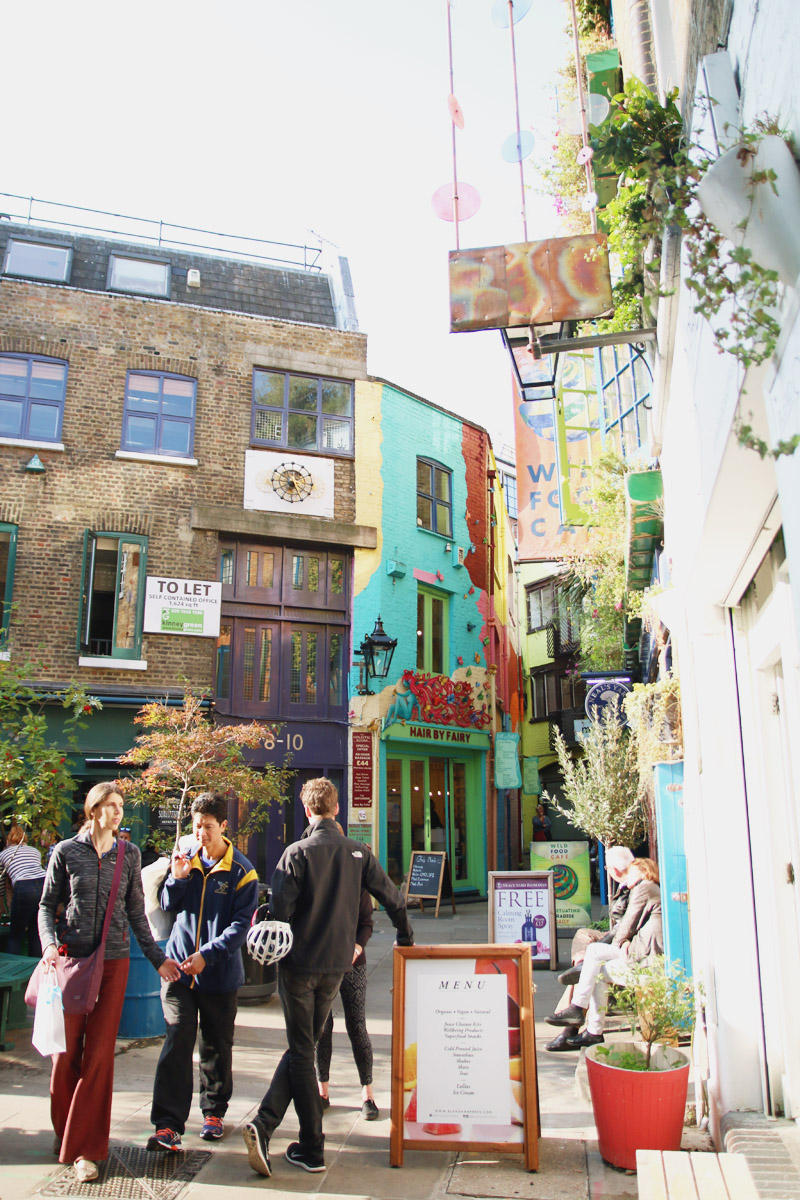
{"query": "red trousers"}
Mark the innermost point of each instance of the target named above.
(82, 1081)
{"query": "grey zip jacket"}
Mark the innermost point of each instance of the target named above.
(79, 879)
(317, 888)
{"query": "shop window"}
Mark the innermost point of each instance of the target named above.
(302, 412)
(159, 414)
(8, 549)
(32, 392)
(112, 600)
(434, 497)
(143, 277)
(38, 260)
(432, 631)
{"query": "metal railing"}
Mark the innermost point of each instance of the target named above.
(38, 213)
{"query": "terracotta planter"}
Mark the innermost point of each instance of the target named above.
(638, 1110)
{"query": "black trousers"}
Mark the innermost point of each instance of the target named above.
(23, 932)
(306, 1000)
(172, 1091)
(353, 992)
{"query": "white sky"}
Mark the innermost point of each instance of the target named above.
(273, 118)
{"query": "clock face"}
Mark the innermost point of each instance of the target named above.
(292, 482)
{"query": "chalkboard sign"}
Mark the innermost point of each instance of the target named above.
(429, 878)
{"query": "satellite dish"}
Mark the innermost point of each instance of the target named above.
(518, 146)
(500, 12)
(469, 201)
(456, 113)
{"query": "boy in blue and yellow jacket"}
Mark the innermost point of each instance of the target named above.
(213, 891)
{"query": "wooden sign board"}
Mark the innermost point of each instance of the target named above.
(429, 879)
(463, 1051)
(522, 909)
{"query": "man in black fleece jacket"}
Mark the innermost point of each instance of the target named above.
(316, 888)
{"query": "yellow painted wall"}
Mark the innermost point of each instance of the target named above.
(368, 463)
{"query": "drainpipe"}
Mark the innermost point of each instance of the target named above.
(491, 790)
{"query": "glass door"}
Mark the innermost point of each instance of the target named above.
(426, 809)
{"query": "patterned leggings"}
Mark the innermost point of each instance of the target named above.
(353, 992)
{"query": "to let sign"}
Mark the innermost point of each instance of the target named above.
(362, 770)
(189, 607)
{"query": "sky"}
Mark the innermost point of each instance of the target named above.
(294, 120)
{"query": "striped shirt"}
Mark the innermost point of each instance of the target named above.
(22, 862)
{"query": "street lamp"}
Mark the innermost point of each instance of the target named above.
(376, 651)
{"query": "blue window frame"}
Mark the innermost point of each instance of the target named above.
(8, 552)
(624, 385)
(159, 414)
(302, 412)
(32, 392)
(434, 497)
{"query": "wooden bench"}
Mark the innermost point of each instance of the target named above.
(678, 1175)
(15, 971)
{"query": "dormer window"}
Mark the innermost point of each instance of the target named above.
(37, 260)
(140, 276)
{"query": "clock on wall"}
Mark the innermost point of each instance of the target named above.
(292, 482)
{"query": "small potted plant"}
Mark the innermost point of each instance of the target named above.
(639, 1089)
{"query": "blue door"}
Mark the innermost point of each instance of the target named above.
(668, 778)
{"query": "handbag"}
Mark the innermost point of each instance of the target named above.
(49, 1036)
(153, 876)
(80, 978)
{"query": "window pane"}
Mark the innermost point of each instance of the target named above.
(313, 575)
(143, 391)
(420, 632)
(178, 397)
(252, 568)
(337, 576)
(537, 686)
(294, 681)
(266, 665)
(437, 635)
(10, 418)
(224, 663)
(130, 563)
(137, 275)
(47, 380)
(311, 668)
(267, 569)
(268, 388)
(226, 566)
(37, 259)
(553, 698)
(335, 673)
(424, 510)
(535, 609)
(424, 477)
(13, 376)
(248, 662)
(140, 433)
(302, 393)
(297, 572)
(335, 435)
(268, 426)
(443, 519)
(566, 692)
(302, 432)
(442, 480)
(336, 398)
(43, 421)
(175, 437)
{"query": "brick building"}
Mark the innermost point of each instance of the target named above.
(171, 417)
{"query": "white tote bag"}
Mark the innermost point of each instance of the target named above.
(153, 876)
(48, 1021)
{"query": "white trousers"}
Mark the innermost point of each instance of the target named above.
(603, 962)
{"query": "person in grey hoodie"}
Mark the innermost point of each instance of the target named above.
(79, 876)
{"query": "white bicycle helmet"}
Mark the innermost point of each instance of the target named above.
(268, 941)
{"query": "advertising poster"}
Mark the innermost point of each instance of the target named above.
(506, 761)
(569, 864)
(188, 607)
(522, 912)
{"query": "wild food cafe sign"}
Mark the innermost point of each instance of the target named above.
(189, 607)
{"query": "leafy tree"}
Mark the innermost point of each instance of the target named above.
(36, 780)
(183, 752)
(601, 788)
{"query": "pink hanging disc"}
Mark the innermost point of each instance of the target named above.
(469, 201)
(456, 112)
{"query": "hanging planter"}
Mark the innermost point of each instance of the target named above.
(751, 193)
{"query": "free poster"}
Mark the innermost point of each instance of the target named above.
(522, 910)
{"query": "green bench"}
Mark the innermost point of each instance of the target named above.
(15, 971)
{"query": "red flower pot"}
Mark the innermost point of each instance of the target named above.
(638, 1110)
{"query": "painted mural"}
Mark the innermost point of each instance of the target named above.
(439, 700)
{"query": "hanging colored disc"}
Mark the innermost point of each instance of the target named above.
(500, 12)
(589, 201)
(469, 201)
(456, 114)
(517, 146)
(598, 109)
(584, 155)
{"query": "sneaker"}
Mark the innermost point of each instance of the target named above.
(369, 1110)
(572, 1015)
(257, 1149)
(85, 1170)
(164, 1139)
(585, 1039)
(301, 1158)
(213, 1128)
(571, 975)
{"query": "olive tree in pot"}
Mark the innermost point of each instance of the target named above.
(639, 1089)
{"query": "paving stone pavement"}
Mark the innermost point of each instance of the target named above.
(357, 1151)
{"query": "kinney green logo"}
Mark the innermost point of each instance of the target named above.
(181, 620)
